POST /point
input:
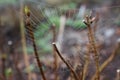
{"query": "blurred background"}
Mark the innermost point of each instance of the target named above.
(17, 60)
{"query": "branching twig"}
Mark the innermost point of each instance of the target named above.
(71, 69)
(88, 22)
(102, 67)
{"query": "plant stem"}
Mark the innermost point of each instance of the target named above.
(87, 58)
(96, 58)
(37, 59)
(71, 69)
(106, 62)
(31, 34)
(88, 22)
(23, 40)
(54, 52)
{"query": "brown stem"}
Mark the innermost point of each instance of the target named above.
(54, 53)
(23, 39)
(81, 75)
(96, 57)
(71, 69)
(87, 58)
(88, 22)
(102, 67)
(31, 34)
(37, 59)
(118, 74)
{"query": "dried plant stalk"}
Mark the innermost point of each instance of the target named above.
(31, 34)
(96, 57)
(79, 66)
(88, 22)
(87, 59)
(23, 40)
(118, 74)
(102, 67)
(71, 69)
(110, 58)
(54, 52)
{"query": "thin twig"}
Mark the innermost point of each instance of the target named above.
(28, 23)
(87, 58)
(23, 40)
(71, 69)
(81, 65)
(118, 74)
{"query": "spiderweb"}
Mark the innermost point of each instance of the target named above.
(42, 17)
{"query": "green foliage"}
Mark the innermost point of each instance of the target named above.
(8, 72)
(8, 1)
(75, 23)
(30, 68)
(44, 43)
(43, 34)
(117, 22)
(55, 20)
(30, 49)
(43, 37)
(67, 7)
